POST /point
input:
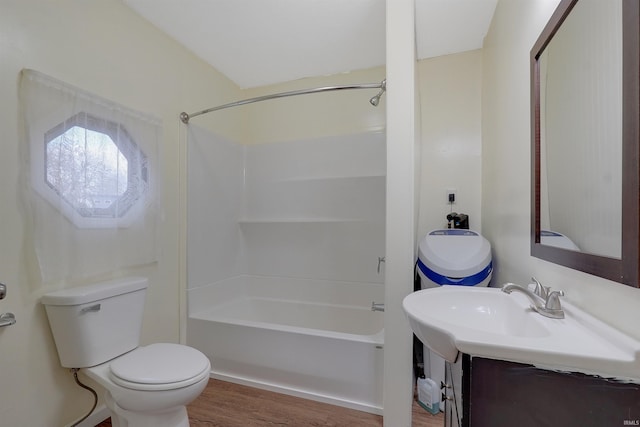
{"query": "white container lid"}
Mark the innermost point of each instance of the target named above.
(455, 252)
(94, 292)
(559, 240)
(160, 363)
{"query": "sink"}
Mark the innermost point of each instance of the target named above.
(498, 313)
(489, 323)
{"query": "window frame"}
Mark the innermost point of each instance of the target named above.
(127, 207)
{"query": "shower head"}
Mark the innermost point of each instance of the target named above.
(375, 100)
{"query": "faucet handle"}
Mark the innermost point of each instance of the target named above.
(541, 291)
(553, 300)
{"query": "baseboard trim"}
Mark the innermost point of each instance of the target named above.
(100, 414)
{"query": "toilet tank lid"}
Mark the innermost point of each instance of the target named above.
(95, 291)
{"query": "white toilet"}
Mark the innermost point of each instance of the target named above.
(97, 328)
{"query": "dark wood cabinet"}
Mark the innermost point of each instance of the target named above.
(497, 393)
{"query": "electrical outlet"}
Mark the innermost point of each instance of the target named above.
(451, 196)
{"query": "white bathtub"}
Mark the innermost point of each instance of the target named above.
(309, 338)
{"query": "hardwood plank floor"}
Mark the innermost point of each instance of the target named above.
(224, 404)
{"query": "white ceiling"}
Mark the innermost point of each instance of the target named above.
(262, 42)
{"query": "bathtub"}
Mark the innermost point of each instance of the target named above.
(308, 338)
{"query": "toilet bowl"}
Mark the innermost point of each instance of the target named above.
(97, 327)
(153, 377)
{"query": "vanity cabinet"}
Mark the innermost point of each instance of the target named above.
(497, 393)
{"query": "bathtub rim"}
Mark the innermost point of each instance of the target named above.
(229, 291)
(211, 315)
(377, 338)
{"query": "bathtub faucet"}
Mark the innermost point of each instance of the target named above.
(377, 306)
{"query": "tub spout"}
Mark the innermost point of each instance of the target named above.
(377, 306)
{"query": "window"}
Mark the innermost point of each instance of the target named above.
(88, 182)
(95, 166)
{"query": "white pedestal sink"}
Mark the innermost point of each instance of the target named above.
(489, 323)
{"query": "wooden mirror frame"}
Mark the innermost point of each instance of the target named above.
(625, 269)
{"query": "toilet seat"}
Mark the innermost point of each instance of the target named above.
(160, 366)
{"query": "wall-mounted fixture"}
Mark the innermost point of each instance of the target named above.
(380, 261)
(374, 100)
(377, 306)
(585, 138)
(6, 319)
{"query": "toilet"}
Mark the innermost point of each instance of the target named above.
(97, 328)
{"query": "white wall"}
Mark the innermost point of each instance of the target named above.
(104, 48)
(316, 115)
(312, 208)
(290, 123)
(215, 185)
(506, 169)
(450, 102)
(315, 208)
(402, 146)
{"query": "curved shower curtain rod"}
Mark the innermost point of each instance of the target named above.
(185, 117)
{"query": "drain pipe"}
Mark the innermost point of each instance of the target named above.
(74, 371)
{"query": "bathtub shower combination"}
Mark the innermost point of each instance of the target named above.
(283, 261)
(302, 337)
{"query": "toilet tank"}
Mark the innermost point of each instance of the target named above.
(95, 323)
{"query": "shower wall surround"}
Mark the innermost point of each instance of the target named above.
(306, 209)
(215, 197)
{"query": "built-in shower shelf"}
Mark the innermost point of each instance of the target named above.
(333, 178)
(297, 220)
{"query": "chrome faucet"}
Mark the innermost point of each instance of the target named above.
(541, 291)
(543, 299)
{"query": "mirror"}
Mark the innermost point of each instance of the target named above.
(585, 96)
(581, 131)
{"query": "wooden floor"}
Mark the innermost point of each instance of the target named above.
(224, 404)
